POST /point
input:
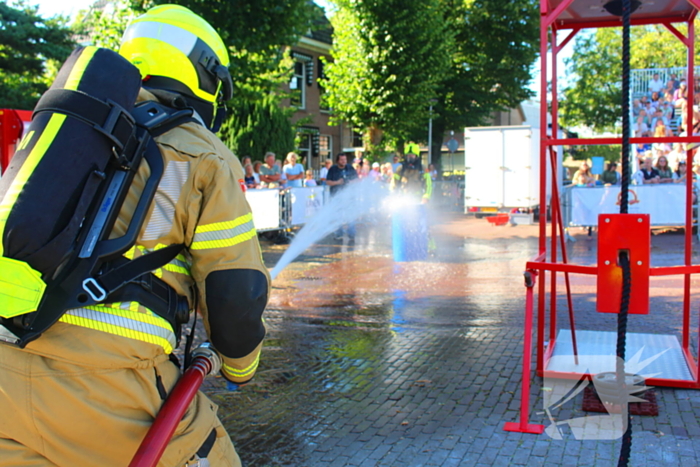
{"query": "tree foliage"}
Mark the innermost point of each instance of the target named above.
(495, 47)
(105, 27)
(258, 127)
(495, 44)
(389, 57)
(30, 47)
(594, 99)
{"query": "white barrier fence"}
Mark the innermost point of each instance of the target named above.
(665, 203)
(280, 209)
(276, 209)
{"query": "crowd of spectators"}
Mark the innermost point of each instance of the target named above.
(660, 112)
(273, 174)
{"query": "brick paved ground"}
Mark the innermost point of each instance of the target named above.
(368, 363)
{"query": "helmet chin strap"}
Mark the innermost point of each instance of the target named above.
(218, 118)
(205, 110)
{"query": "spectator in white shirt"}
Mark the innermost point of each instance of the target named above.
(656, 85)
(293, 171)
(324, 171)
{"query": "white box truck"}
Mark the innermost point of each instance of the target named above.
(502, 169)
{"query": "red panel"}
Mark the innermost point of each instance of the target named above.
(12, 123)
(623, 232)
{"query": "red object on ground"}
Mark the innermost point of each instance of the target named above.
(159, 435)
(650, 408)
(499, 219)
(12, 126)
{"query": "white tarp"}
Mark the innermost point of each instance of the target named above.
(305, 203)
(664, 202)
(265, 205)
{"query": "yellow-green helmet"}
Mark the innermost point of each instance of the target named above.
(176, 50)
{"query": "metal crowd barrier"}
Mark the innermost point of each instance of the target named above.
(664, 202)
(281, 209)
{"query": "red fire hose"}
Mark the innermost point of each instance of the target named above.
(205, 361)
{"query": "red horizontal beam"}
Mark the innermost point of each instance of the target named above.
(674, 270)
(618, 140)
(617, 23)
(538, 265)
(560, 267)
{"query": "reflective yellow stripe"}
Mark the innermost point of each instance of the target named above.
(224, 234)
(180, 264)
(127, 323)
(33, 159)
(76, 74)
(129, 254)
(177, 269)
(25, 141)
(224, 225)
(244, 373)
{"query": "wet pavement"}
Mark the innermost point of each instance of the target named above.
(368, 362)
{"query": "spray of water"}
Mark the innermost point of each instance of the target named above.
(346, 206)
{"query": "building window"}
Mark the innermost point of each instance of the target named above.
(296, 85)
(357, 139)
(303, 75)
(309, 140)
(304, 149)
(323, 105)
(325, 147)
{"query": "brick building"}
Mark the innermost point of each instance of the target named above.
(318, 140)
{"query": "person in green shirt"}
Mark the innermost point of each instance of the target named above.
(610, 175)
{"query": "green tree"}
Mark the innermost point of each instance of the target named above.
(495, 45)
(258, 33)
(594, 98)
(258, 127)
(30, 46)
(104, 27)
(389, 58)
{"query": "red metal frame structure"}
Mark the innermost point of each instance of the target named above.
(573, 16)
(11, 128)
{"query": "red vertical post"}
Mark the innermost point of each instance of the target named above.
(523, 426)
(564, 258)
(553, 190)
(688, 191)
(544, 27)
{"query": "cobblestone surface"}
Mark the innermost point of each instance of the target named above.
(368, 363)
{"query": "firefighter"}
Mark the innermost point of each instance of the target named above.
(410, 179)
(86, 391)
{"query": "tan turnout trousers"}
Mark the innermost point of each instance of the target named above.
(60, 413)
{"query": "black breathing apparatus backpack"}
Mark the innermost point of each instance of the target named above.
(63, 191)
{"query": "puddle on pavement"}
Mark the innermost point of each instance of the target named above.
(345, 321)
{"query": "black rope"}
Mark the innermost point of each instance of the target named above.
(623, 392)
(625, 181)
(624, 259)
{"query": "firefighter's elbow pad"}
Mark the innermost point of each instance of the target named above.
(236, 299)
